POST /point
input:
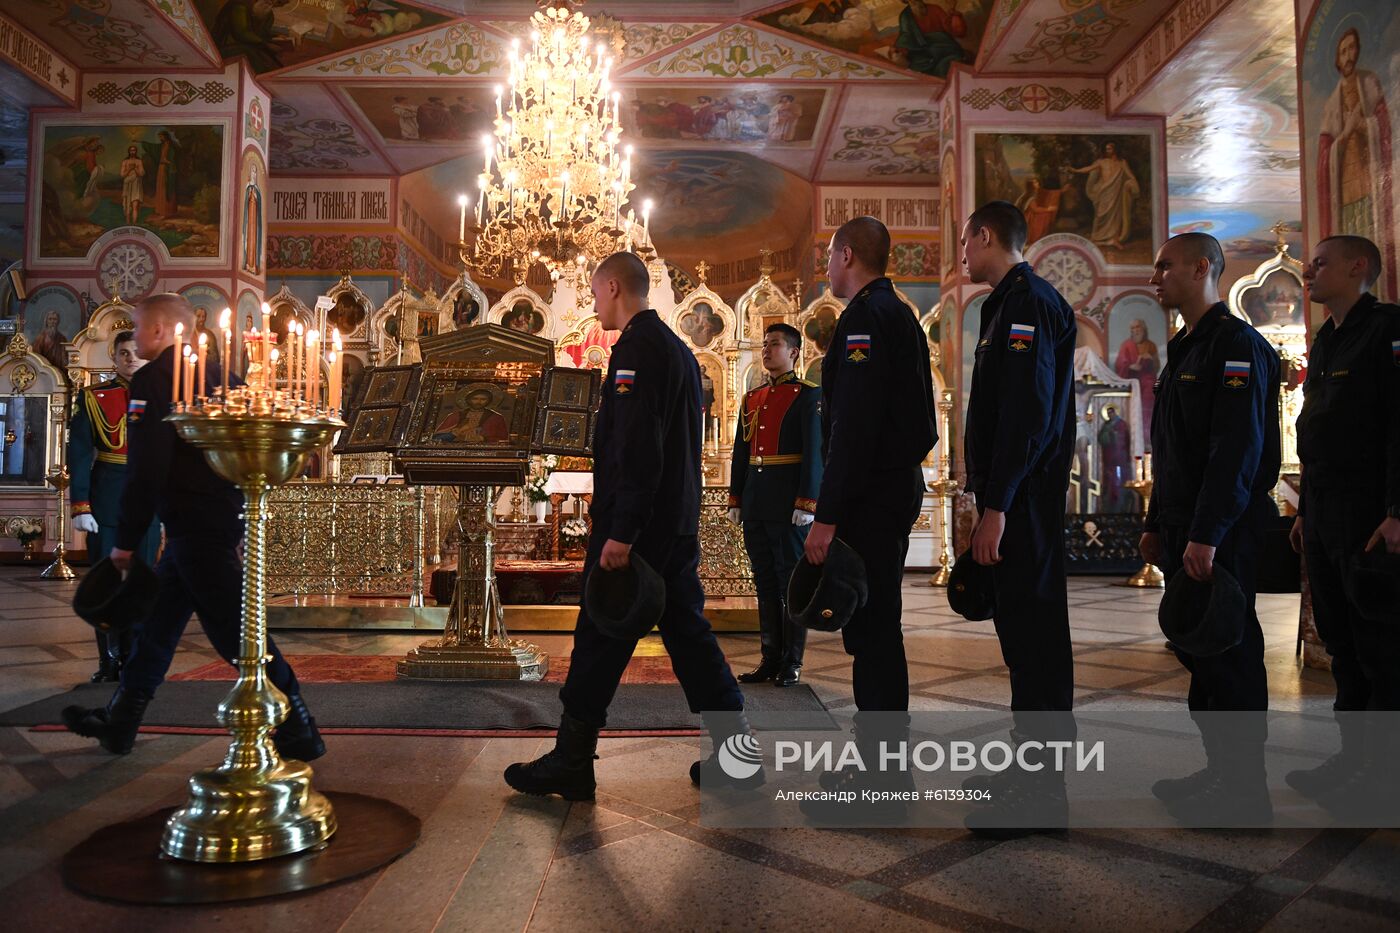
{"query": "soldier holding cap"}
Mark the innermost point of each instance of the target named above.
(1349, 445)
(773, 481)
(646, 500)
(1215, 447)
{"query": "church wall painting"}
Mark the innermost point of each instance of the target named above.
(53, 315)
(427, 115)
(968, 335)
(1097, 186)
(164, 177)
(252, 216)
(927, 36)
(274, 34)
(1137, 346)
(1350, 91)
(729, 114)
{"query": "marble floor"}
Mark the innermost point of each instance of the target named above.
(637, 858)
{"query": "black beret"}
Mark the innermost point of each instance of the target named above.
(1203, 619)
(625, 604)
(110, 602)
(1373, 583)
(972, 589)
(824, 598)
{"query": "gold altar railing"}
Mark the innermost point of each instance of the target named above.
(724, 564)
(354, 539)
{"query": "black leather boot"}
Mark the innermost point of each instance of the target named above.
(108, 668)
(114, 726)
(1236, 794)
(566, 769)
(733, 729)
(1338, 769)
(794, 646)
(875, 795)
(1020, 802)
(770, 635)
(297, 737)
(1168, 790)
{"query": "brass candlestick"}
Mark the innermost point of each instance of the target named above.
(1147, 576)
(255, 805)
(946, 489)
(59, 569)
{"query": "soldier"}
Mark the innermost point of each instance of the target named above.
(1215, 446)
(200, 569)
(773, 482)
(646, 499)
(97, 462)
(1349, 445)
(1018, 449)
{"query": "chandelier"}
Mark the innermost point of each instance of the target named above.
(555, 181)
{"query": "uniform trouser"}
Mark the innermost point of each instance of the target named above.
(1235, 679)
(876, 523)
(196, 574)
(597, 662)
(774, 549)
(1032, 610)
(1365, 654)
(99, 546)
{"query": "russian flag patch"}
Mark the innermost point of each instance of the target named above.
(622, 381)
(1022, 337)
(1395, 351)
(1237, 373)
(858, 348)
(135, 409)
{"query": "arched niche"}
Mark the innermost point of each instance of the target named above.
(463, 304)
(90, 354)
(350, 312)
(817, 325)
(763, 304)
(404, 311)
(704, 321)
(523, 309)
(1272, 297)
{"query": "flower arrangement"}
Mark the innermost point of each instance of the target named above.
(540, 471)
(573, 533)
(26, 530)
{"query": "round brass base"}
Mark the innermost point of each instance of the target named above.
(515, 660)
(230, 818)
(122, 862)
(58, 570)
(1148, 577)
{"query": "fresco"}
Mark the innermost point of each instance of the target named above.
(968, 336)
(273, 34)
(727, 115)
(162, 177)
(303, 136)
(252, 178)
(927, 36)
(1243, 233)
(53, 316)
(700, 194)
(1137, 347)
(1097, 186)
(433, 115)
(1350, 80)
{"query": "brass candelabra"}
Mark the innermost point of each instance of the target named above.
(59, 570)
(1147, 575)
(254, 805)
(946, 490)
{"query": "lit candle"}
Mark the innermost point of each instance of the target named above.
(313, 369)
(486, 145)
(333, 396)
(199, 372)
(563, 195)
(267, 318)
(250, 348)
(272, 356)
(179, 364)
(225, 319)
(646, 221)
(498, 101)
(462, 219)
(294, 359)
(189, 375)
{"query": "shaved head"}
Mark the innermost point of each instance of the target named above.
(868, 241)
(628, 271)
(1352, 248)
(167, 307)
(1193, 247)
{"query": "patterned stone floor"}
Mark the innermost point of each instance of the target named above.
(638, 859)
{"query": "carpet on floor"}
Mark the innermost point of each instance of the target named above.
(407, 707)
(373, 668)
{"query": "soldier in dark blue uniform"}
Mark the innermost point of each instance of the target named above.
(1215, 459)
(646, 499)
(200, 569)
(1019, 443)
(878, 424)
(1349, 445)
(97, 463)
(773, 482)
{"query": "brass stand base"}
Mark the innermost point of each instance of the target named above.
(58, 570)
(122, 862)
(227, 819)
(941, 576)
(1148, 577)
(514, 660)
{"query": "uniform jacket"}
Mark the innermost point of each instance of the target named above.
(97, 450)
(878, 409)
(646, 460)
(1215, 433)
(781, 419)
(166, 476)
(1349, 429)
(1020, 410)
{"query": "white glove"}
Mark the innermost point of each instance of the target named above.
(85, 522)
(800, 517)
(734, 517)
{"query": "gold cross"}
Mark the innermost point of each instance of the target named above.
(701, 268)
(1280, 231)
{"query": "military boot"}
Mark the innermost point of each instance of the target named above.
(297, 737)
(770, 635)
(794, 645)
(741, 767)
(108, 667)
(114, 726)
(1339, 768)
(1235, 794)
(1168, 790)
(566, 769)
